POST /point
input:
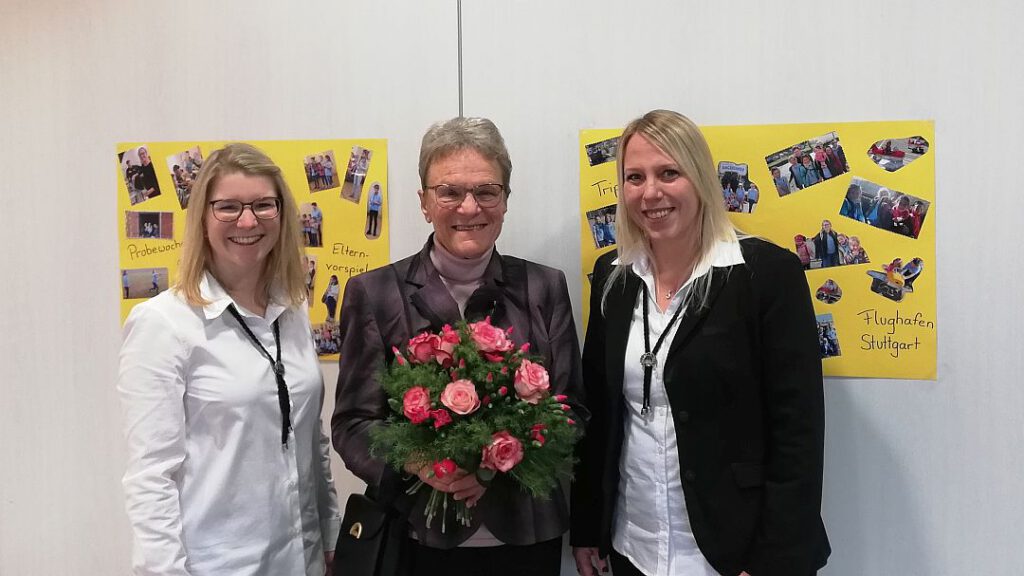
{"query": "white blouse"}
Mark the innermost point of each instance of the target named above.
(210, 488)
(651, 526)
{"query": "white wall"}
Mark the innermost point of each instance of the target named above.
(921, 477)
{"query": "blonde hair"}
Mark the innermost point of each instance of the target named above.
(283, 270)
(682, 141)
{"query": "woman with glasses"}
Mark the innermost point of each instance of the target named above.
(704, 451)
(464, 172)
(228, 468)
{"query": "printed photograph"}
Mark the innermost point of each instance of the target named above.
(143, 282)
(895, 153)
(896, 279)
(738, 193)
(330, 299)
(355, 173)
(311, 222)
(374, 207)
(603, 151)
(807, 163)
(309, 261)
(139, 174)
(828, 248)
(184, 167)
(829, 292)
(828, 340)
(326, 338)
(602, 226)
(139, 225)
(321, 171)
(889, 210)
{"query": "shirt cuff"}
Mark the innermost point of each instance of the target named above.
(329, 530)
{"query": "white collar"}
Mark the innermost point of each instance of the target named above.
(219, 300)
(723, 254)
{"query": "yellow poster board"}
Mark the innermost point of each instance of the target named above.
(870, 270)
(340, 187)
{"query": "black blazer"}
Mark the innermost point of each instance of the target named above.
(743, 378)
(388, 306)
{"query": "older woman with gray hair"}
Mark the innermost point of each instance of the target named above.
(458, 274)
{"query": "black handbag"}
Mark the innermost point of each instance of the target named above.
(373, 539)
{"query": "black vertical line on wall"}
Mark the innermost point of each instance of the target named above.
(459, 8)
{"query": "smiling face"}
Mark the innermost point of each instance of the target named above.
(468, 230)
(658, 197)
(239, 249)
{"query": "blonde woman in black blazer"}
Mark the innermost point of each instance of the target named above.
(715, 465)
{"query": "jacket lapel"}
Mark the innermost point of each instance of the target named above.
(432, 303)
(619, 315)
(691, 318)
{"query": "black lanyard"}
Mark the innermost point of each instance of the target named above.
(648, 359)
(277, 367)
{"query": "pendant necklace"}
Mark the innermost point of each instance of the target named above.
(649, 359)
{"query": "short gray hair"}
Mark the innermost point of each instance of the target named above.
(450, 136)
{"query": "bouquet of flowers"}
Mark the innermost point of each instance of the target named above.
(466, 398)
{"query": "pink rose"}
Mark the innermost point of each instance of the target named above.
(531, 382)
(444, 467)
(490, 339)
(446, 343)
(441, 418)
(416, 404)
(460, 397)
(422, 347)
(503, 453)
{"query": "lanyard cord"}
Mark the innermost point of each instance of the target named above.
(648, 359)
(282, 388)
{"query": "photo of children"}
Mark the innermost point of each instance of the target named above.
(829, 292)
(355, 173)
(143, 282)
(895, 153)
(828, 248)
(374, 205)
(738, 193)
(807, 163)
(311, 221)
(603, 151)
(602, 225)
(883, 208)
(896, 279)
(326, 338)
(149, 225)
(184, 167)
(139, 174)
(321, 171)
(828, 340)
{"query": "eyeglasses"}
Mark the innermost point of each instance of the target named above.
(231, 210)
(451, 197)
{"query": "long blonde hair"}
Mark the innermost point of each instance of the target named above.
(283, 270)
(682, 141)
